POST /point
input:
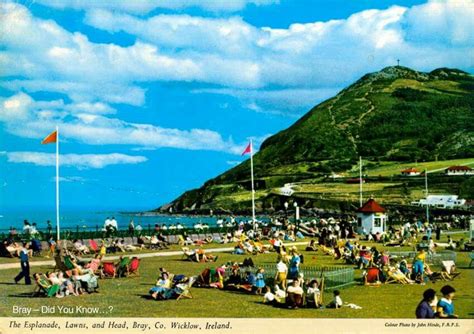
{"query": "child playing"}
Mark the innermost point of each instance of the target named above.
(445, 305)
(260, 281)
(337, 301)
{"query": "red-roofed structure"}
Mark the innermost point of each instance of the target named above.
(371, 218)
(410, 172)
(371, 206)
(459, 170)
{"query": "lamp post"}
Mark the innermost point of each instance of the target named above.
(286, 209)
(297, 213)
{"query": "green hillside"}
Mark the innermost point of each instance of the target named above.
(393, 118)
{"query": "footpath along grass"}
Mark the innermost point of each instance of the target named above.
(124, 297)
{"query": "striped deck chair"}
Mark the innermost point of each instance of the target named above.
(185, 289)
(449, 270)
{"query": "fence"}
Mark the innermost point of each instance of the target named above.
(434, 258)
(335, 277)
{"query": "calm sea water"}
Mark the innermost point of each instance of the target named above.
(85, 221)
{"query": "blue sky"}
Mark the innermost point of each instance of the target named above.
(155, 97)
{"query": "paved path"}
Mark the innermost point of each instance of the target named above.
(141, 256)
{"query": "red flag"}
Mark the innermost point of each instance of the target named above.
(51, 138)
(248, 149)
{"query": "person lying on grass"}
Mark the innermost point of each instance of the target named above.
(445, 305)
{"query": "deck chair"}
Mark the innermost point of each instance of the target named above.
(59, 264)
(449, 270)
(68, 263)
(46, 288)
(108, 270)
(308, 301)
(133, 267)
(93, 245)
(372, 277)
(187, 255)
(185, 289)
(122, 266)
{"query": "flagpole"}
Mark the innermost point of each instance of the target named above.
(57, 183)
(360, 181)
(253, 190)
(426, 190)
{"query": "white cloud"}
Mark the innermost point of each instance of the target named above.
(96, 129)
(146, 6)
(226, 52)
(80, 161)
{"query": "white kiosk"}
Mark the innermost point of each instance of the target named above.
(371, 217)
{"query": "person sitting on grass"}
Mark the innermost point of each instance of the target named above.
(312, 247)
(445, 305)
(249, 282)
(269, 297)
(294, 298)
(234, 279)
(313, 294)
(280, 295)
(424, 309)
(337, 301)
(259, 281)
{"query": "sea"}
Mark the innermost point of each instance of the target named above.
(93, 220)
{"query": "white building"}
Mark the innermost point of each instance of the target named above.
(459, 170)
(286, 190)
(441, 201)
(371, 218)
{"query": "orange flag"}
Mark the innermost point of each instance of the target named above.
(51, 138)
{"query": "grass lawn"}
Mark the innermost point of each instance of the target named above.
(125, 295)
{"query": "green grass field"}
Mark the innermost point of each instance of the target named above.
(124, 297)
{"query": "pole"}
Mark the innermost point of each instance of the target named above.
(360, 181)
(426, 191)
(253, 190)
(57, 183)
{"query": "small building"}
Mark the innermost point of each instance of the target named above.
(442, 201)
(371, 217)
(286, 190)
(410, 172)
(459, 170)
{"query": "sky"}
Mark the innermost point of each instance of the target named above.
(154, 97)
